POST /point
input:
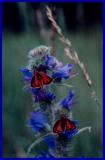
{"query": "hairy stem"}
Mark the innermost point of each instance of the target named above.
(37, 141)
(84, 129)
(52, 117)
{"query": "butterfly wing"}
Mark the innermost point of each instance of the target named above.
(45, 78)
(58, 127)
(36, 82)
(70, 125)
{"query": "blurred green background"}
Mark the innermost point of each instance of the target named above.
(25, 26)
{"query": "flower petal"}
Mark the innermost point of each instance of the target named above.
(67, 101)
(37, 120)
(26, 72)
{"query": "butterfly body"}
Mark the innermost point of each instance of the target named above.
(64, 124)
(39, 79)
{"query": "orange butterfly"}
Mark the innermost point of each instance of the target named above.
(39, 79)
(64, 124)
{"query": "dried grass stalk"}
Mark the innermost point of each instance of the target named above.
(72, 54)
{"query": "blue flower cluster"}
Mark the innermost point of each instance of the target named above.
(44, 64)
(38, 121)
(55, 68)
(45, 154)
(42, 95)
(67, 101)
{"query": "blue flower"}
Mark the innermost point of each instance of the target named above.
(67, 101)
(26, 72)
(42, 95)
(51, 141)
(38, 121)
(68, 134)
(49, 97)
(62, 72)
(29, 73)
(45, 154)
(52, 62)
